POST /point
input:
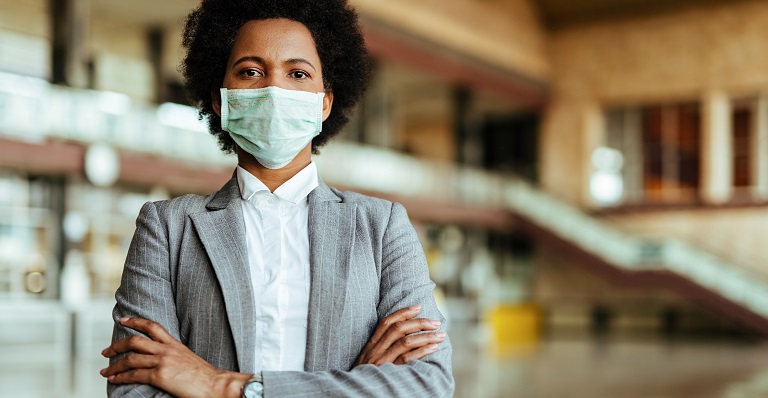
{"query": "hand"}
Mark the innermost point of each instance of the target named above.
(394, 341)
(166, 363)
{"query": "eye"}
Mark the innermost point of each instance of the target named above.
(250, 73)
(299, 74)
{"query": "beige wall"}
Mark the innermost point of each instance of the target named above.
(117, 47)
(506, 34)
(27, 17)
(25, 37)
(120, 57)
(676, 56)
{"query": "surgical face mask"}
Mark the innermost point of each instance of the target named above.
(272, 124)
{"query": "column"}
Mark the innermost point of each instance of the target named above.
(759, 149)
(469, 145)
(69, 25)
(717, 149)
(155, 49)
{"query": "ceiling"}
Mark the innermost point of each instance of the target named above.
(557, 14)
(143, 12)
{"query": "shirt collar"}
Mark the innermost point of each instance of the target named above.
(294, 190)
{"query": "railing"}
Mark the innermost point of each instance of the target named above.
(701, 267)
(31, 109)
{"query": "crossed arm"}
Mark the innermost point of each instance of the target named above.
(166, 363)
(395, 360)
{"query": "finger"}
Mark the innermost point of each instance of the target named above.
(403, 328)
(397, 316)
(140, 376)
(152, 329)
(416, 354)
(135, 343)
(408, 344)
(130, 362)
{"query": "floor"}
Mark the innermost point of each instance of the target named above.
(576, 368)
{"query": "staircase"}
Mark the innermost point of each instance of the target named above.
(737, 291)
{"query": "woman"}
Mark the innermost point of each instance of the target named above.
(276, 285)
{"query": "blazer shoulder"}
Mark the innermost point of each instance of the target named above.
(375, 212)
(364, 201)
(182, 205)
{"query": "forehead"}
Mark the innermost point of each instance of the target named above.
(274, 38)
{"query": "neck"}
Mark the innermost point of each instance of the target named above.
(273, 179)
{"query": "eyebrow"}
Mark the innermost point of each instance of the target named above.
(287, 61)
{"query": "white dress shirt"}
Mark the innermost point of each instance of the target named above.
(277, 237)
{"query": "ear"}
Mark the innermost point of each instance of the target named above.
(216, 100)
(327, 104)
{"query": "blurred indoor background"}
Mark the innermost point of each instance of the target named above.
(589, 179)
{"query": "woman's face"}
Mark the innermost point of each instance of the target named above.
(274, 52)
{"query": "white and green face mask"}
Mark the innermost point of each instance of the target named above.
(272, 124)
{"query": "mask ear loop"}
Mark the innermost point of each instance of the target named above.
(224, 109)
(320, 96)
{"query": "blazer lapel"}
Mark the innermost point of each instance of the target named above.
(222, 233)
(331, 234)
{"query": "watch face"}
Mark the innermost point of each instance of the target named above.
(254, 389)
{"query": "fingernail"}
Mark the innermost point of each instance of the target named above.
(436, 323)
(415, 307)
(123, 319)
(101, 372)
(432, 348)
(103, 352)
(440, 335)
(111, 378)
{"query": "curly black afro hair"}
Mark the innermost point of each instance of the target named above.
(210, 33)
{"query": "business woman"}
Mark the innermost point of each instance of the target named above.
(276, 285)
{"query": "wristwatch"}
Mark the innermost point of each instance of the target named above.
(254, 387)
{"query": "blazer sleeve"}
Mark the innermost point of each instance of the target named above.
(404, 282)
(145, 291)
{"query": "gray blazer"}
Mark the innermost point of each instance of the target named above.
(187, 269)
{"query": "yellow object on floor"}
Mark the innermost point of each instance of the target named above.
(515, 326)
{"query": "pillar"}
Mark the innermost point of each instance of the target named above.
(69, 26)
(759, 149)
(716, 149)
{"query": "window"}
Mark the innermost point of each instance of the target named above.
(741, 128)
(660, 145)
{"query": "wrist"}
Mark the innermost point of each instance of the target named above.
(230, 384)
